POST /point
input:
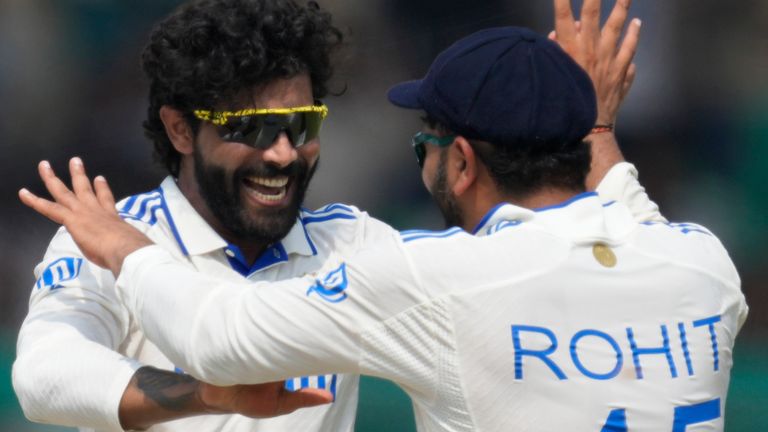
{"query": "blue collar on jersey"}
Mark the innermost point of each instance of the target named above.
(196, 237)
(510, 214)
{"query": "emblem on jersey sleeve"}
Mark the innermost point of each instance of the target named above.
(331, 287)
(59, 271)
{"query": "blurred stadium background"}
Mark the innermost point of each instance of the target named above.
(696, 125)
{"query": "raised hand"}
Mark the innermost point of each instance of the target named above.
(608, 63)
(606, 58)
(88, 212)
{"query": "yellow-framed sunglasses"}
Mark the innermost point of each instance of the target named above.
(260, 127)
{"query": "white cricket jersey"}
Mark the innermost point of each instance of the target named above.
(574, 317)
(78, 347)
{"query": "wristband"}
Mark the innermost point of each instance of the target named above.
(601, 128)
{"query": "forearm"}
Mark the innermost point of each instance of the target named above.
(63, 379)
(605, 155)
(616, 180)
(227, 333)
(67, 370)
(155, 396)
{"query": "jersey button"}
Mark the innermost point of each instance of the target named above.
(229, 253)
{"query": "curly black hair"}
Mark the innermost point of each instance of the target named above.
(209, 51)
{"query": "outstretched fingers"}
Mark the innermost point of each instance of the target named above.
(629, 46)
(628, 80)
(58, 190)
(66, 201)
(89, 217)
(104, 193)
(565, 25)
(53, 211)
(590, 20)
(613, 27)
(81, 184)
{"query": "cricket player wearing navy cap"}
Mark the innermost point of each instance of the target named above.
(545, 309)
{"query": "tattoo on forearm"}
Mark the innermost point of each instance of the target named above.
(169, 390)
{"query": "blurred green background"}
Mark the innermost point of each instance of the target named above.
(695, 124)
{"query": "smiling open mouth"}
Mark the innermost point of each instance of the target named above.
(267, 189)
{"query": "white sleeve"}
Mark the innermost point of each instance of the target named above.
(227, 333)
(621, 184)
(67, 371)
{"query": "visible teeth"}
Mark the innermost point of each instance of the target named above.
(265, 197)
(275, 182)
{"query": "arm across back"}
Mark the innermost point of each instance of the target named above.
(226, 333)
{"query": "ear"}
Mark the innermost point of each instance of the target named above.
(464, 161)
(177, 129)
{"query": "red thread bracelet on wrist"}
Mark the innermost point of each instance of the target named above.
(601, 129)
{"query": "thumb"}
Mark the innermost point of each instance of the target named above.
(290, 401)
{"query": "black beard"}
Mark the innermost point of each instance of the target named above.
(446, 202)
(222, 194)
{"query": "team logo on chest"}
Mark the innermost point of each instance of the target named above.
(332, 287)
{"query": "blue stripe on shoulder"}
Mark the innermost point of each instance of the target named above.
(567, 202)
(685, 228)
(411, 235)
(327, 217)
(423, 231)
(143, 207)
(172, 224)
(329, 208)
(306, 235)
(136, 205)
(129, 203)
(493, 229)
(132, 200)
(146, 208)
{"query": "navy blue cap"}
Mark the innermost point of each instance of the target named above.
(507, 86)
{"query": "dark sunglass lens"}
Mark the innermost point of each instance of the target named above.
(261, 131)
(420, 153)
(271, 126)
(240, 129)
(417, 142)
(296, 129)
(313, 122)
(252, 130)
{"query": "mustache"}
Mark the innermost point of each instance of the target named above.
(295, 169)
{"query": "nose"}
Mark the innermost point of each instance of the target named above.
(281, 153)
